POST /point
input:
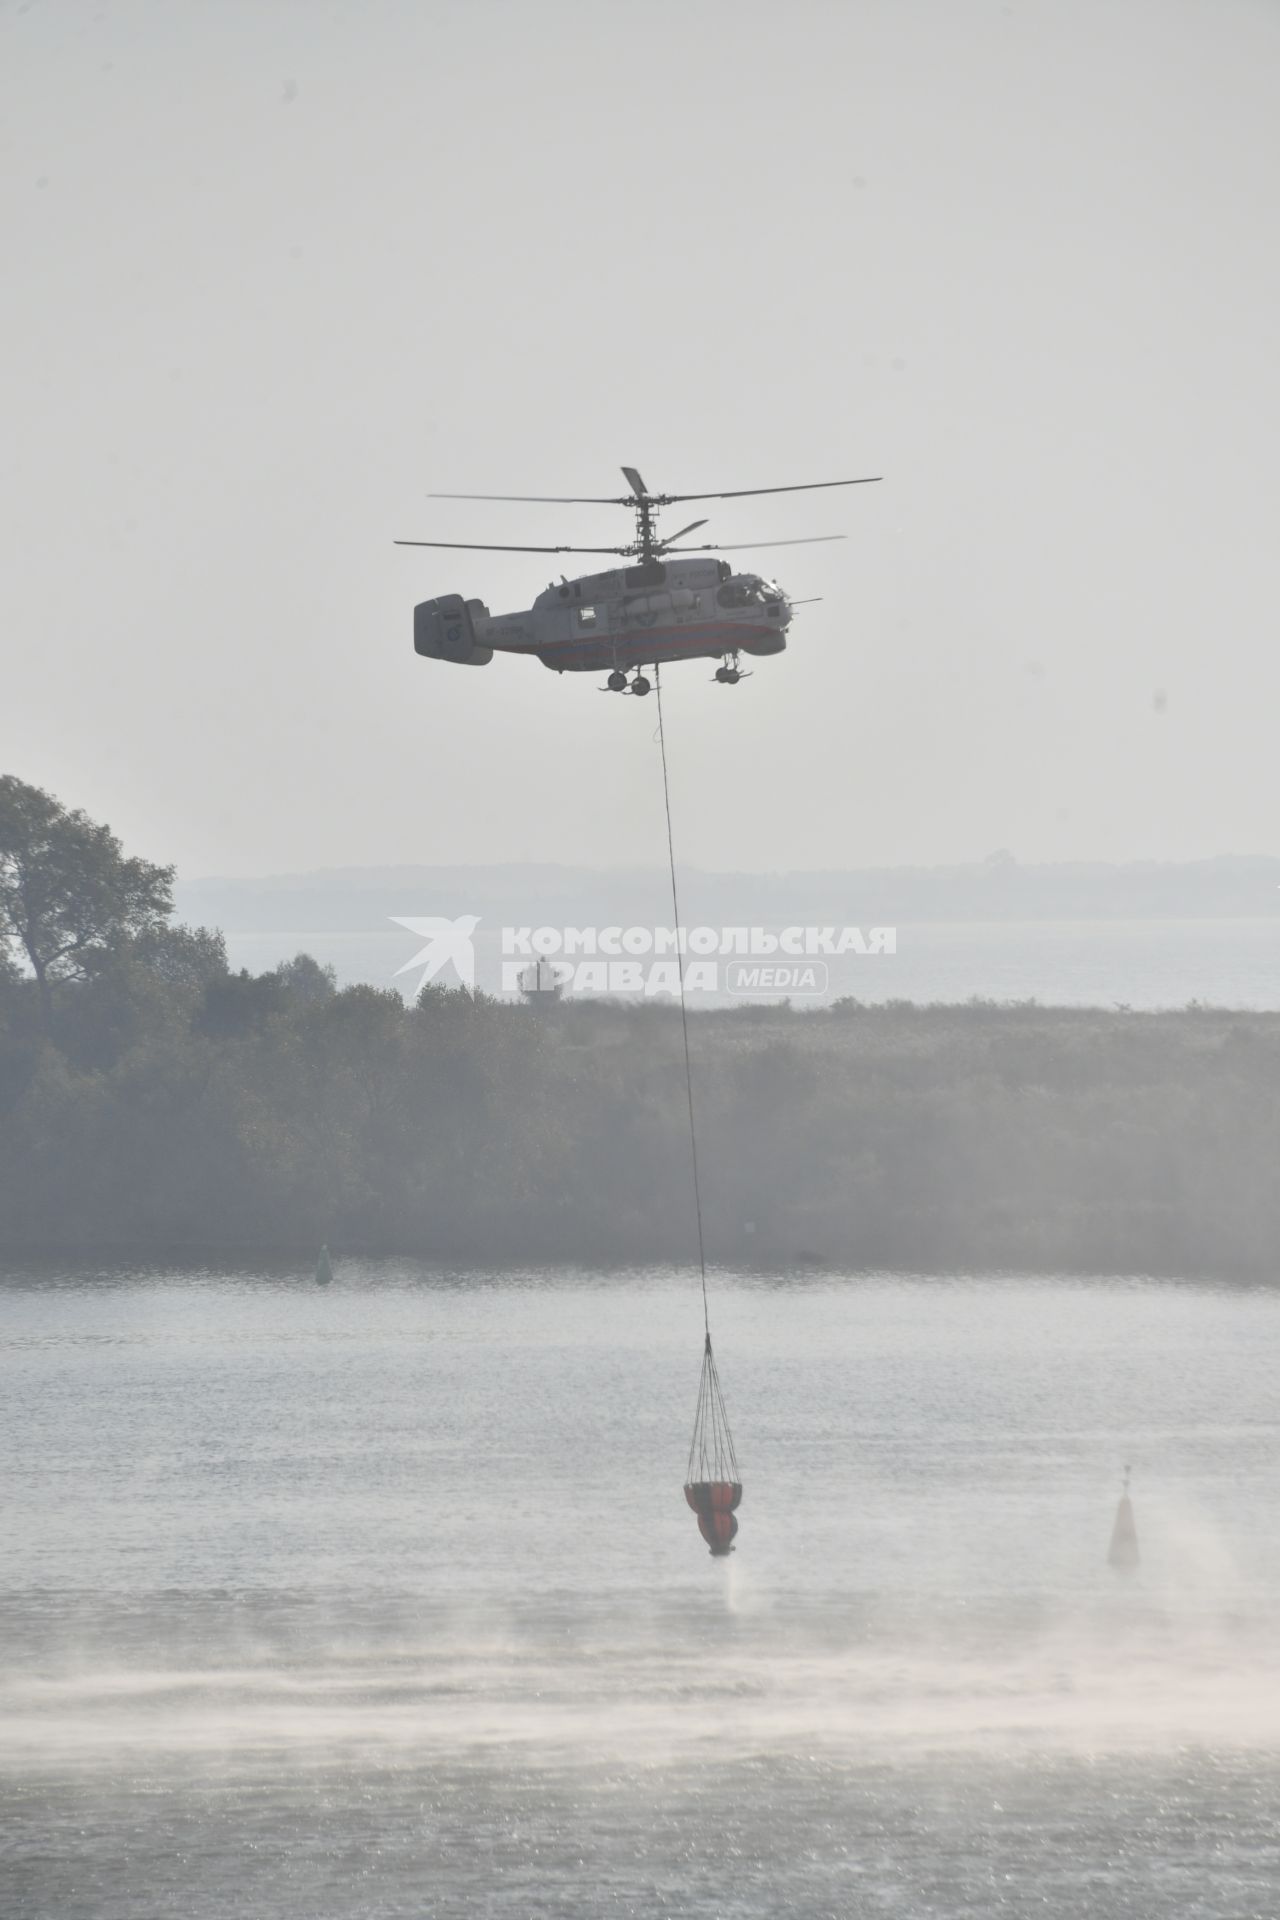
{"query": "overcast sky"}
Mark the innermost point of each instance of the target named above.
(276, 270)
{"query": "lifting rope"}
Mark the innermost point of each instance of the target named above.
(713, 1487)
(684, 1011)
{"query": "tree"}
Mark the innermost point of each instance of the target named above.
(67, 890)
(186, 958)
(238, 1004)
(305, 982)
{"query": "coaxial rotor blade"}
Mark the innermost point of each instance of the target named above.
(488, 546)
(548, 499)
(741, 493)
(691, 528)
(635, 483)
(738, 546)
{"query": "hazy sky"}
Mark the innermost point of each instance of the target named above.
(276, 270)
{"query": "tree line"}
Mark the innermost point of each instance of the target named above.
(155, 1102)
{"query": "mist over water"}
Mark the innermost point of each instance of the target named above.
(384, 1599)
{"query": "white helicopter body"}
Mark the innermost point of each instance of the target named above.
(671, 604)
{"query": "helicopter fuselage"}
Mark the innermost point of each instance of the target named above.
(641, 615)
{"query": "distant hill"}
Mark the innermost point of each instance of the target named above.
(1000, 888)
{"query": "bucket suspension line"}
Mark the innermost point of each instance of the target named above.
(711, 1454)
(713, 1487)
(684, 1011)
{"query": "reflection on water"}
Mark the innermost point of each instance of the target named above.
(381, 1599)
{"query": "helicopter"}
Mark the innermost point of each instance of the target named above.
(668, 604)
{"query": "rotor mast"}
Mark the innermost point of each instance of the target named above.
(647, 544)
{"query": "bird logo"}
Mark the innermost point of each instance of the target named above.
(447, 941)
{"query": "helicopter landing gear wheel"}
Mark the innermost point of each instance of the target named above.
(729, 674)
(616, 681)
(640, 685)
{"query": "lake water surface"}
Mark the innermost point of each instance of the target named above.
(384, 1600)
(1144, 964)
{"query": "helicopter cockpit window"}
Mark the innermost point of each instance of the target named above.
(587, 617)
(740, 593)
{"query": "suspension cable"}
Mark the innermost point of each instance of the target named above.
(684, 1011)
